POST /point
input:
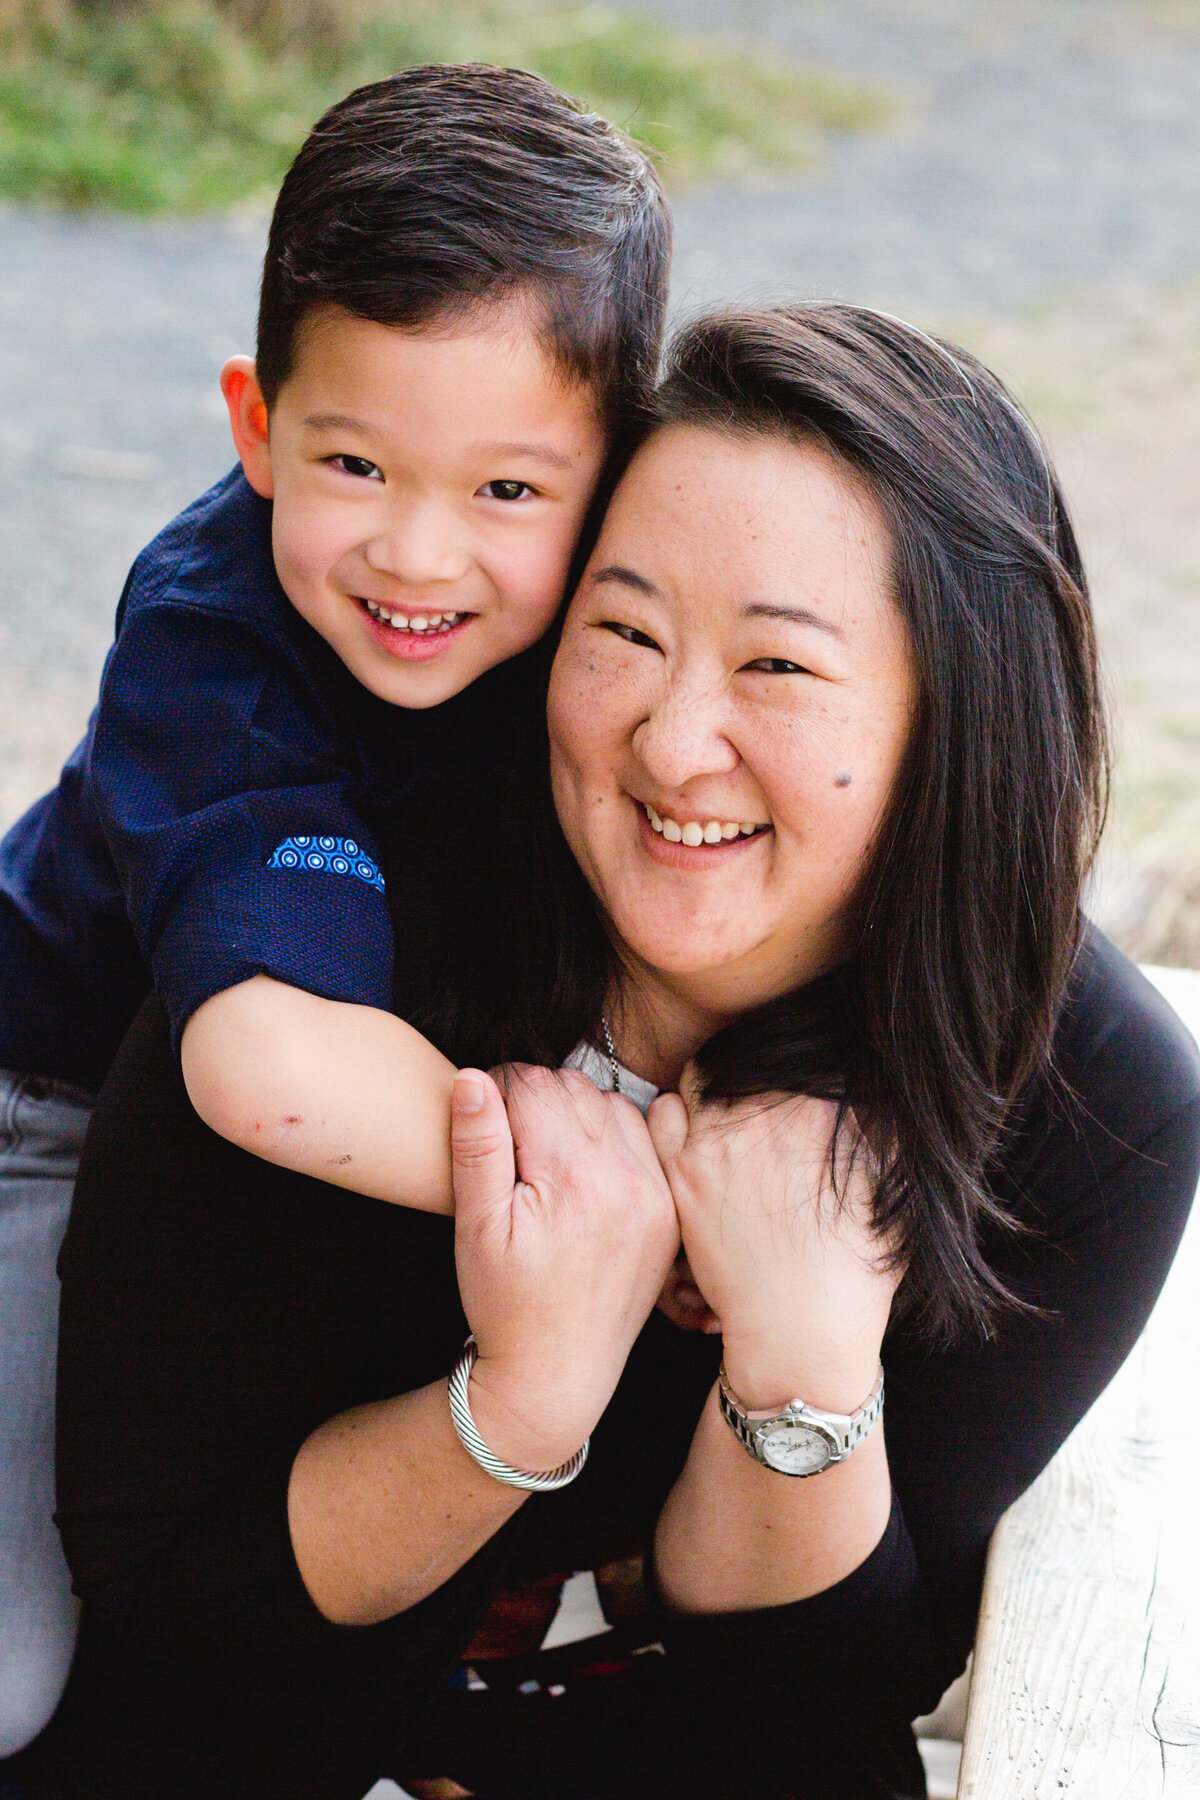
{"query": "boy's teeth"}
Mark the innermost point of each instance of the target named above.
(421, 622)
(696, 831)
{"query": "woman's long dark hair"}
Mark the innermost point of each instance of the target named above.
(967, 917)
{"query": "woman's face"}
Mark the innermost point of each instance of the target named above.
(732, 669)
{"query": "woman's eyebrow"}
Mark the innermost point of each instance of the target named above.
(798, 615)
(627, 578)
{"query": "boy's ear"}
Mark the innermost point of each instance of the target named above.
(248, 422)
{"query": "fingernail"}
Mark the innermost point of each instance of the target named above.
(468, 1094)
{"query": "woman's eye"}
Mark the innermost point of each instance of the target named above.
(506, 490)
(776, 665)
(357, 466)
(630, 633)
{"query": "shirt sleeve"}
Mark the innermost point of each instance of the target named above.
(232, 821)
(843, 1674)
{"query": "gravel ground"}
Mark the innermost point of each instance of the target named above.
(1035, 192)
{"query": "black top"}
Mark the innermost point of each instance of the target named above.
(220, 819)
(216, 1309)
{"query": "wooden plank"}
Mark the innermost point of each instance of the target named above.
(1087, 1661)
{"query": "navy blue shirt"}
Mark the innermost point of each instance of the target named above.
(218, 820)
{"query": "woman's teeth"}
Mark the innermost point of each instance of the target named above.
(696, 831)
(422, 622)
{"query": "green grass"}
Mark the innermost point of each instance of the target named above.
(201, 103)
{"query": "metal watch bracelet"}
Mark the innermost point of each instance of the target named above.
(798, 1439)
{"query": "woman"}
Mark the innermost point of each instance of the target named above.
(826, 747)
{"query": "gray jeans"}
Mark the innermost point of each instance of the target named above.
(42, 1125)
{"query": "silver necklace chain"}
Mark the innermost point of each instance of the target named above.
(610, 1047)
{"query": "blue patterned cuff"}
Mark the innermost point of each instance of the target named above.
(327, 856)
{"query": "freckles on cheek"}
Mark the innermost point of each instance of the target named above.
(588, 707)
(593, 699)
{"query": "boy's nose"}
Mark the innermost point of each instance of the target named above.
(421, 546)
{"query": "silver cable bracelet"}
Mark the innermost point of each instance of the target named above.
(473, 1444)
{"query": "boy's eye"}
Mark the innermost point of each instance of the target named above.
(506, 490)
(630, 633)
(358, 466)
(776, 665)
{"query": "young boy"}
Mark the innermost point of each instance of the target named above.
(462, 303)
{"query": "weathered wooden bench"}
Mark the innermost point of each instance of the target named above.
(1086, 1673)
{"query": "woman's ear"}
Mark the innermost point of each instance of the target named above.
(249, 423)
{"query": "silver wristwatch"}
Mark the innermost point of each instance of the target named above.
(798, 1439)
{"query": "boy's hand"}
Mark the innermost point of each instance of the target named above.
(565, 1232)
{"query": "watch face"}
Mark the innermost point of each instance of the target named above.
(796, 1449)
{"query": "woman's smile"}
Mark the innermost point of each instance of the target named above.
(693, 843)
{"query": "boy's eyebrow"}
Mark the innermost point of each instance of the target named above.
(546, 453)
(336, 422)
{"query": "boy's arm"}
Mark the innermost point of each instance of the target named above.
(348, 1094)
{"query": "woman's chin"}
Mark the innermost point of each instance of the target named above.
(691, 941)
(676, 955)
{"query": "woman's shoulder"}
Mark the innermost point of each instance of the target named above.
(1117, 1034)
(1122, 1089)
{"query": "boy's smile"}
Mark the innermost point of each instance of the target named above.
(428, 485)
(414, 637)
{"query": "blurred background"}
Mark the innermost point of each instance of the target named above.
(1022, 174)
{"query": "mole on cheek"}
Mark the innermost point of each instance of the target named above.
(843, 779)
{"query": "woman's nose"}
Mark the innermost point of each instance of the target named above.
(418, 545)
(685, 734)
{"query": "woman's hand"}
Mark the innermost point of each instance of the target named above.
(790, 1266)
(565, 1230)
(802, 1289)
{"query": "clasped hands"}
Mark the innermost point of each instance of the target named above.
(574, 1216)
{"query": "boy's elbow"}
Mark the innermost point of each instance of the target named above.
(230, 1114)
(234, 1056)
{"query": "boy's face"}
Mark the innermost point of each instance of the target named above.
(428, 489)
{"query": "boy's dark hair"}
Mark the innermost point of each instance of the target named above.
(418, 197)
(968, 910)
